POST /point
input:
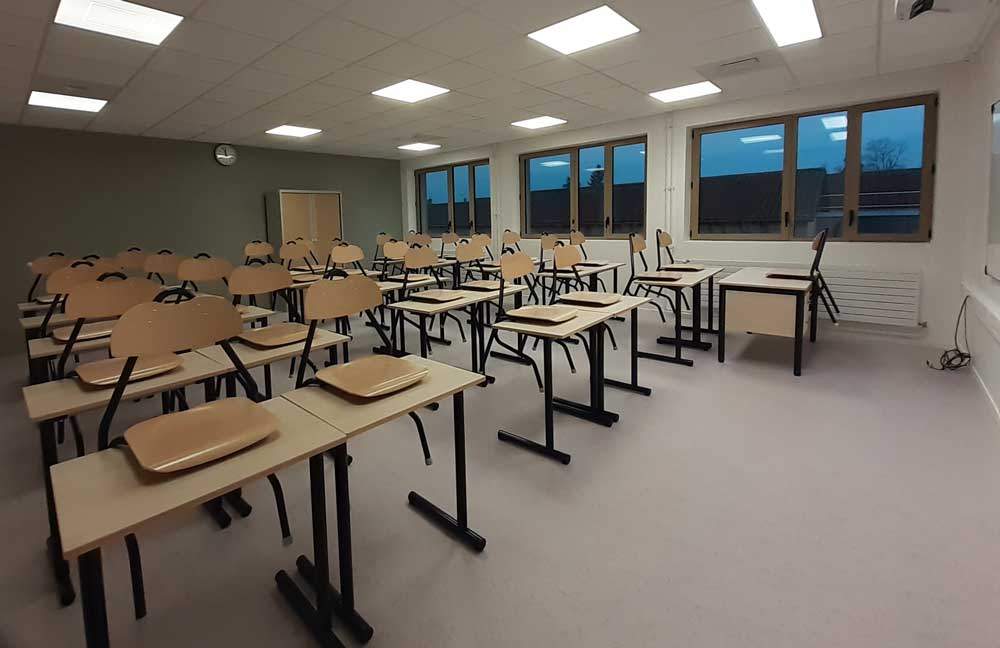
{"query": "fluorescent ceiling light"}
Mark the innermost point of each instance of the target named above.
(418, 146)
(584, 31)
(595, 169)
(789, 21)
(410, 91)
(66, 102)
(838, 136)
(681, 93)
(756, 139)
(555, 163)
(538, 122)
(773, 151)
(118, 18)
(837, 121)
(293, 131)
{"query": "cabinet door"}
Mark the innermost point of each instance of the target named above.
(296, 216)
(327, 223)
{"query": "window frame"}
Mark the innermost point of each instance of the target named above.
(852, 172)
(574, 186)
(450, 168)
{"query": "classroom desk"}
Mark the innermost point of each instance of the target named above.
(32, 307)
(297, 290)
(751, 301)
(692, 280)
(354, 417)
(585, 320)
(102, 497)
(589, 272)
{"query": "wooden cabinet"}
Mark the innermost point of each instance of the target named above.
(316, 216)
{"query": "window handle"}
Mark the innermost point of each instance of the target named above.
(607, 221)
(786, 220)
(850, 218)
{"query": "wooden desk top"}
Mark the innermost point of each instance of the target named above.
(384, 286)
(757, 278)
(584, 320)
(585, 271)
(32, 307)
(687, 279)
(624, 305)
(105, 495)
(469, 297)
(59, 398)
(352, 416)
(255, 357)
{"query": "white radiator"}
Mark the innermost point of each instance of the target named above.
(870, 296)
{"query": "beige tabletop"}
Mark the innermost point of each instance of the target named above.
(252, 356)
(105, 495)
(468, 298)
(584, 320)
(352, 415)
(384, 286)
(32, 307)
(757, 278)
(686, 280)
(624, 305)
(584, 271)
(69, 396)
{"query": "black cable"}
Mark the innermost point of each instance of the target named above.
(956, 358)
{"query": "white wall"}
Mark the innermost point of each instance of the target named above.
(667, 195)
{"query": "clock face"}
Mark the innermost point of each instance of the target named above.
(225, 154)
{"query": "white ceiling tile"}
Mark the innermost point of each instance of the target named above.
(401, 18)
(203, 111)
(276, 20)
(341, 39)
(133, 114)
(848, 16)
(727, 48)
(252, 123)
(323, 5)
(615, 97)
(38, 9)
(361, 78)
(726, 20)
(456, 74)
(529, 97)
(296, 106)
(405, 60)
(463, 34)
(322, 93)
(582, 84)
(171, 129)
(18, 58)
(856, 64)
(453, 100)
(831, 46)
(299, 63)
(21, 31)
(496, 87)
(551, 72)
(253, 79)
(68, 41)
(230, 93)
(181, 63)
(211, 40)
(526, 16)
(512, 56)
(630, 48)
(154, 82)
(73, 68)
(649, 76)
(889, 63)
(10, 111)
(564, 107)
(757, 83)
(14, 83)
(178, 7)
(54, 118)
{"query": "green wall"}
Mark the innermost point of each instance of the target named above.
(84, 193)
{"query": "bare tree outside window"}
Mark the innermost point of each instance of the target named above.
(883, 154)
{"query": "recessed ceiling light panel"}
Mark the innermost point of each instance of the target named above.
(834, 122)
(65, 102)
(756, 139)
(410, 91)
(538, 122)
(293, 131)
(581, 32)
(555, 163)
(838, 136)
(419, 146)
(681, 93)
(789, 21)
(118, 18)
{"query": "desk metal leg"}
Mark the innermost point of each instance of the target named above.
(710, 328)
(677, 340)
(95, 615)
(696, 330)
(594, 412)
(813, 300)
(634, 385)
(592, 280)
(799, 317)
(423, 336)
(547, 450)
(60, 568)
(721, 341)
(456, 527)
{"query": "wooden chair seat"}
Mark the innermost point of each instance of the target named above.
(276, 335)
(45, 299)
(590, 298)
(89, 331)
(302, 278)
(437, 296)
(661, 276)
(484, 285)
(544, 314)
(372, 376)
(201, 434)
(105, 373)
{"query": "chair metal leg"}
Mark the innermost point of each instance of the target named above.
(279, 502)
(423, 438)
(569, 356)
(135, 568)
(77, 437)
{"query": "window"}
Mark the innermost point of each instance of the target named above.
(599, 189)
(454, 198)
(863, 172)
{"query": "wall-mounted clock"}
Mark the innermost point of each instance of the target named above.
(225, 154)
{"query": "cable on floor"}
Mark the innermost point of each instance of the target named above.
(956, 358)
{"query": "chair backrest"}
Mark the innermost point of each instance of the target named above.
(567, 256)
(467, 252)
(818, 245)
(294, 251)
(511, 238)
(46, 265)
(395, 250)
(346, 253)
(259, 280)
(637, 243)
(548, 241)
(61, 281)
(576, 237)
(155, 327)
(516, 265)
(482, 239)
(381, 239)
(109, 298)
(663, 239)
(258, 249)
(162, 263)
(418, 258)
(204, 269)
(418, 238)
(330, 299)
(132, 259)
(449, 238)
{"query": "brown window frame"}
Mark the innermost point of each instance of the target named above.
(852, 173)
(574, 185)
(450, 168)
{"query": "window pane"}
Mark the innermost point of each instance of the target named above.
(460, 198)
(740, 181)
(819, 176)
(483, 206)
(590, 199)
(547, 200)
(628, 197)
(892, 152)
(434, 202)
